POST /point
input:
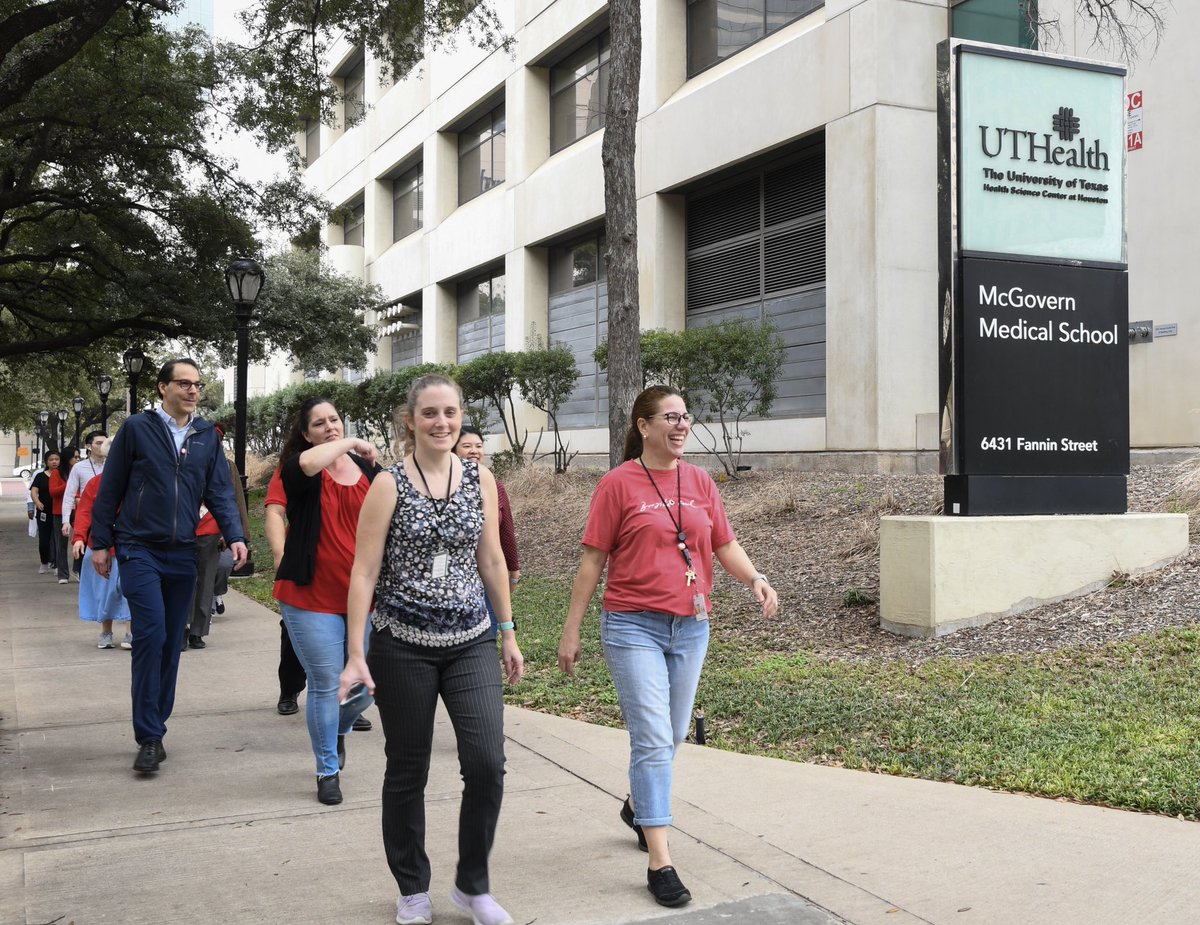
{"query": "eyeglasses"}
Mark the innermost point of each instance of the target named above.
(188, 385)
(674, 417)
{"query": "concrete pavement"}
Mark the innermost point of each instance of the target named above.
(229, 831)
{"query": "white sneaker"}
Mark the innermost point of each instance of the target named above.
(482, 908)
(105, 641)
(127, 642)
(42, 570)
(62, 581)
(414, 910)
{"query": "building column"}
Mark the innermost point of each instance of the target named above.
(662, 257)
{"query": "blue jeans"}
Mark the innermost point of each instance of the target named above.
(158, 585)
(655, 661)
(320, 643)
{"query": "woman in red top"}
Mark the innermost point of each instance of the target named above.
(657, 522)
(58, 488)
(100, 600)
(325, 476)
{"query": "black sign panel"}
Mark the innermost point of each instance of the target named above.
(1043, 369)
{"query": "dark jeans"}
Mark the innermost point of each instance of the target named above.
(158, 585)
(292, 678)
(46, 544)
(207, 553)
(62, 557)
(408, 681)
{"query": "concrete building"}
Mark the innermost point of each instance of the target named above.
(786, 171)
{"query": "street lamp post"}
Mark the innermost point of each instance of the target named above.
(134, 360)
(244, 279)
(104, 387)
(37, 443)
(44, 430)
(77, 407)
(62, 428)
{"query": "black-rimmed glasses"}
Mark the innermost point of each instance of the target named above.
(188, 385)
(674, 417)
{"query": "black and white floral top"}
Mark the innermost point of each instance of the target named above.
(410, 602)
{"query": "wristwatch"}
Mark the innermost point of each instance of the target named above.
(759, 577)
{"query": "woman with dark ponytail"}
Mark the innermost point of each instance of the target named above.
(656, 522)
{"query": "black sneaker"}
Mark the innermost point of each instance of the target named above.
(667, 888)
(627, 818)
(329, 791)
(150, 753)
(362, 724)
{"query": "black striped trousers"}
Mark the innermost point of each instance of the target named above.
(408, 681)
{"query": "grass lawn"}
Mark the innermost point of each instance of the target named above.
(1116, 724)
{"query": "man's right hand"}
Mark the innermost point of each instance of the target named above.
(101, 563)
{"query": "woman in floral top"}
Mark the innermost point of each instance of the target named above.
(428, 546)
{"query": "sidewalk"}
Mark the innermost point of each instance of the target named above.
(229, 831)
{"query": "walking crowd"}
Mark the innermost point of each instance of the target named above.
(395, 587)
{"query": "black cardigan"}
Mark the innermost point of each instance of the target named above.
(304, 518)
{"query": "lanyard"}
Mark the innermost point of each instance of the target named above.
(434, 501)
(680, 534)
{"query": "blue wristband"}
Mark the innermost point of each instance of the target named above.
(507, 625)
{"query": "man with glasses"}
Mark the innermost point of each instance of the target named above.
(162, 465)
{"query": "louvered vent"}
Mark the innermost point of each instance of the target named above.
(726, 214)
(723, 276)
(795, 190)
(796, 257)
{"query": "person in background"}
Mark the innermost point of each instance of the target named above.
(325, 478)
(160, 467)
(209, 544)
(39, 490)
(100, 601)
(429, 534)
(81, 473)
(58, 490)
(656, 521)
(470, 446)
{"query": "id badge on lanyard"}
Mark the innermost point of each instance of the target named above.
(441, 564)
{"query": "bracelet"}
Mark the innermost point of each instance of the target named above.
(507, 625)
(759, 577)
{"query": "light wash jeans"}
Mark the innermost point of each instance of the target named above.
(320, 643)
(655, 661)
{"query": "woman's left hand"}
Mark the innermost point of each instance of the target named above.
(77, 548)
(767, 596)
(514, 661)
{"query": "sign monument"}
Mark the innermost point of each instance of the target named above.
(1034, 367)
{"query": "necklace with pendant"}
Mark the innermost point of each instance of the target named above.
(680, 533)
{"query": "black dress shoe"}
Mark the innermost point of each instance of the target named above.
(148, 756)
(196, 642)
(287, 704)
(329, 791)
(627, 818)
(362, 724)
(667, 888)
(341, 752)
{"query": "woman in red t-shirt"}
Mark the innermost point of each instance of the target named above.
(657, 522)
(325, 477)
(58, 488)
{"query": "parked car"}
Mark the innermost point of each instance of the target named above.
(24, 471)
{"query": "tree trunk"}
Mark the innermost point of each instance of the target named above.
(620, 209)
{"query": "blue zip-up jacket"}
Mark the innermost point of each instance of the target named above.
(150, 494)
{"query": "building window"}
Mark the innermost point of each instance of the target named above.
(720, 28)
(579, 93)
(756, 251)
(481, 155)
(354, 101)
(578, 317)
(353, 225)
(312, 141)
(480, 316)
(408, 202)
(1001, 22)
